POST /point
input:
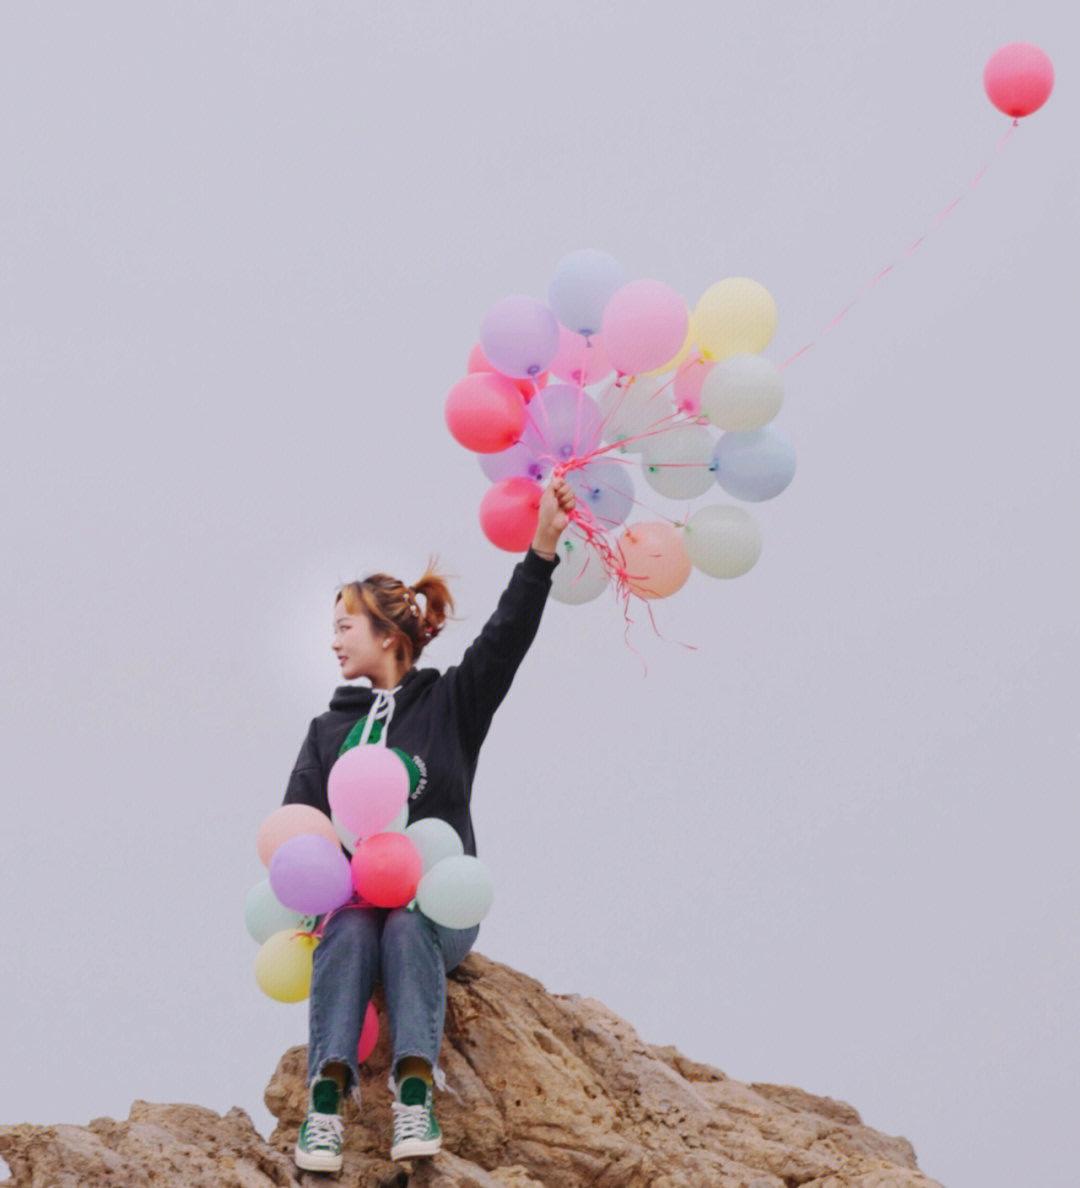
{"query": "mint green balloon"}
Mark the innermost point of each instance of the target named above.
(435, 840)
(265, 914)
(457, 892)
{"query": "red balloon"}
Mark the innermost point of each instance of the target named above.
(509, 513)
(369, 1034)
(386, 869)
(485, 412)
(1018, 78)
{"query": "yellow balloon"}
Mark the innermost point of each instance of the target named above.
(736, 316)
(283, 966)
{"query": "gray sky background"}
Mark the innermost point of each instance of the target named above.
(247, 249)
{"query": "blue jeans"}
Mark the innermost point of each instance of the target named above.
(410, 954)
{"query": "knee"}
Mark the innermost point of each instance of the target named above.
(351, 928)
(406, 930)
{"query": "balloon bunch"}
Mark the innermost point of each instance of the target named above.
(393, 864)
(610, 370)
(613, 373)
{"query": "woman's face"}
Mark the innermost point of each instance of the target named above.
(356, 645)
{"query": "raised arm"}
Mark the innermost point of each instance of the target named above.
(480, 682)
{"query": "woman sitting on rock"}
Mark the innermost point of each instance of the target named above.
(438, 720)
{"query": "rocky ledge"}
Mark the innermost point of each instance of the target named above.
(546, 1090)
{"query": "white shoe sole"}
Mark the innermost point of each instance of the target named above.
(308, 1161)
(414, 1148)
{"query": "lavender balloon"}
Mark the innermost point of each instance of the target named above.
(562, 422)
(310, 874)
(581, 286)
(519, 337)
(518, 460)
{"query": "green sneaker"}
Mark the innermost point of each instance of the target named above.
(319, 1146)
(415, 1130)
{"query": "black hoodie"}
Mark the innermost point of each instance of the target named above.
(440, 719)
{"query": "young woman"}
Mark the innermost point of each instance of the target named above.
(438, 720)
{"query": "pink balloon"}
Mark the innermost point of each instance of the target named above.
(654, 558)
(369, 1034)
(1018, 78)
(686, 389)
(509, 513)
(579, 360)
(644, 326)
(367, 788)
(528, 388)
(287, 822)
(386, 869)
(485, 412)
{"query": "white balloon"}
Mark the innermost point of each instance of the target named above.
(678, 463)
(742, 392)
(580, 575)
(634, 406)
(435, 839)
(722, 541)
(457, 892)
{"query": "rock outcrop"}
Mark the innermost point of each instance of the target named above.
(552, 1091)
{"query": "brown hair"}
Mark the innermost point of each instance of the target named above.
(394, 610)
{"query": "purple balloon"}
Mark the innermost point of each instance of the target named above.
(310, 874)
(562, 422)
(519, 460)
(519, 337)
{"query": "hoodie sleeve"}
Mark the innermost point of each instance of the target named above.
(480, 682)
(307, 784)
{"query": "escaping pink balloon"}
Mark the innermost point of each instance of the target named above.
(369, 1034)
(528, 388)
(644, 326)
(386, 869)
(1018, 78)
(485, 412)
(686, 389)
(367, 788)
(580, 360)
(654, 559)
(509, 513)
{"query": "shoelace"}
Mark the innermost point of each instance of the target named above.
(324, 1131)
(409, 1121)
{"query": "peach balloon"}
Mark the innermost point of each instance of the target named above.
(288, 822)
(654, 559)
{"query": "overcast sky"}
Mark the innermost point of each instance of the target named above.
(247, 249)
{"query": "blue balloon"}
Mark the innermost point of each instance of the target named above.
(581, 285)
(754, 466)
(606, 489)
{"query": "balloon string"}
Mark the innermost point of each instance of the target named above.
(885, 271)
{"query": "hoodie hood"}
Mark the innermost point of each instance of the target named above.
(357, 699)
